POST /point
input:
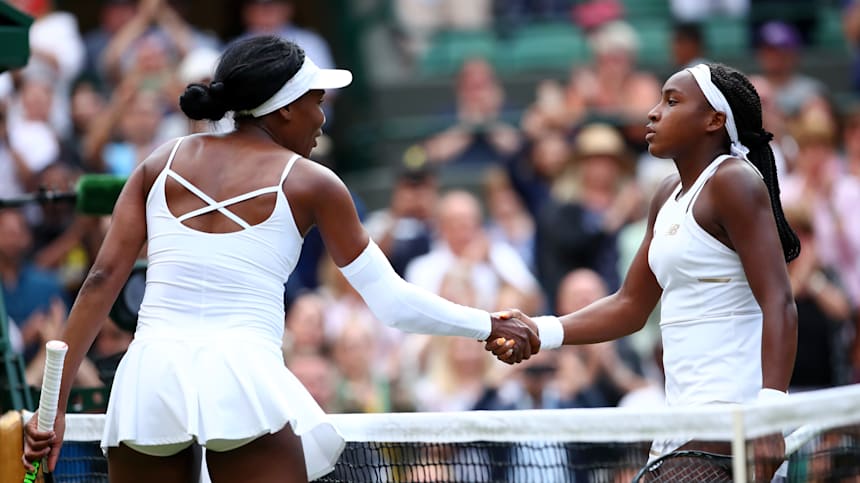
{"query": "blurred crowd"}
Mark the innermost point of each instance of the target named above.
(556, 222)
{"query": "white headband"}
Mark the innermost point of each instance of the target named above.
(309, 77)
(702, 74)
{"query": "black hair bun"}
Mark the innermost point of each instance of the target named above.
(203, 102)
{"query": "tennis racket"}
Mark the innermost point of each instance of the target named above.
(687, 466)
(695, 466)
(56, 355)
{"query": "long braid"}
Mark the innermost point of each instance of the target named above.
(746, 108)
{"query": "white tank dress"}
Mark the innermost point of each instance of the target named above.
(206, 360)
(710, 322)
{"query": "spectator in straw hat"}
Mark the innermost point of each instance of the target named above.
(590, 202)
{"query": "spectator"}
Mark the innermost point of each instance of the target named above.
(275, 17)
(832, 195)
(820, 183)
(775, 121)
(360, 388)
(419, 20)
(56, 48)
(533, 172)
(64, 243)
(17, 172)
(113, 16)
(152, 43)
(779, 46)
(343, 307)
(457, 376)
(688, 46)
(404, 230)
(317, 374)
(590, 203)
(134, 115)
(465, 251)
(30, 133)
(612, 369)
(50, 324)
(478, 133)
(612, 86)
(27, 290)
(823, 313)
(553, 111)
(509, 220)
(304, 328)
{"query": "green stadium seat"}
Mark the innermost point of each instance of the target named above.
(654, 41)
(828, 32)
(645, 9)
(551, 46)
(725, 38)
(450, 48)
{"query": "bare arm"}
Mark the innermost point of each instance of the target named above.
(123, 243)
(742, 206)
(627, 310)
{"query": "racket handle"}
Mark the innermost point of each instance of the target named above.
(56, 355)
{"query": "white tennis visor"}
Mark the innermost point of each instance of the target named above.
(308, 78)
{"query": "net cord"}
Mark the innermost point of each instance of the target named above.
(812, 412)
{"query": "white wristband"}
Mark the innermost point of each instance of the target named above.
(550, 331)
(768, 395)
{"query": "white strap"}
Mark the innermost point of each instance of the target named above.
(288, 168)
(173, 152)
(232, 201)
(703, 178)
(203, 196)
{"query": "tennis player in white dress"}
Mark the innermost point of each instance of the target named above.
(715, 255)
(223, 217)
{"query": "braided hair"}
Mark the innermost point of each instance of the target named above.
(746, 108)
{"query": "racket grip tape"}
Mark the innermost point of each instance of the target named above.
(55, 357)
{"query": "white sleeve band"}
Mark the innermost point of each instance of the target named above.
(550, 331)
(768, 394)
(407, 307)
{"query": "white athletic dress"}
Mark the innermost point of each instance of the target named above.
(206, 359)
(710, 322)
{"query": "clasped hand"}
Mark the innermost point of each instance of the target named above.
(513, 336)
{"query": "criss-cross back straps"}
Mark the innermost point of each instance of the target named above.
(221, 206)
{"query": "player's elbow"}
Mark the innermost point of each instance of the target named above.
(631, 311)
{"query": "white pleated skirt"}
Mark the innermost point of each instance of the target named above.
(170, 389)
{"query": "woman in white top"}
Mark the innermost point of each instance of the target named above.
(205, 366)
(715, 253)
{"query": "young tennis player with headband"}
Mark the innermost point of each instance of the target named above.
(205, 367)
(714, 254)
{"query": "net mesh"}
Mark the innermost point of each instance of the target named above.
(811, 437)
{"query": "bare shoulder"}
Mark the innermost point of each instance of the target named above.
(157, 160)
(311, 179)
(738, 183)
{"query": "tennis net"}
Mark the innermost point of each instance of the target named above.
(821, 428)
